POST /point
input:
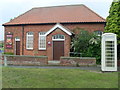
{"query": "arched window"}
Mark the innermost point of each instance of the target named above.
(58, 37)
(29, 40)
(98, 32)
(17, 38)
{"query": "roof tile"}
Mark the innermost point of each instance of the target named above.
(57, 14)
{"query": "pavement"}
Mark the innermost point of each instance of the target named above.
(60, 67)
(90, 68)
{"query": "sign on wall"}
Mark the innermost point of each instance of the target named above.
(9, 43)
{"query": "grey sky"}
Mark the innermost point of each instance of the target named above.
(13, 8)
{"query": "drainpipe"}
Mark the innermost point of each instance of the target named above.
(23, 40)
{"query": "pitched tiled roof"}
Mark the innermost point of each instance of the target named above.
(57, 14)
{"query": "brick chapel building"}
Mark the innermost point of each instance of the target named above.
(47, 31)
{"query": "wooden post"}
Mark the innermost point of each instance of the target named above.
(0, 59)
(5, 60)
(0, 71)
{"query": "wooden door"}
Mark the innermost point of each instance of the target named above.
(17, 47)
(58, 49)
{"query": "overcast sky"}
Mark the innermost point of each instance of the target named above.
(13, 8)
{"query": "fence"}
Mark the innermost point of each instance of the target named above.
(73, 54)
(24, 60)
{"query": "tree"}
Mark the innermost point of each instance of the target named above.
(80, 41)
(88, 44)
(113, 22)
(94, 48)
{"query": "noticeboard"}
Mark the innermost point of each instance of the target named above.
(9, 40)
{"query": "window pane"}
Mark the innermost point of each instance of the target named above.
(30, 33)
(109, 53)
(42, 40)
(29, 40)
(99, 33)
(58, 36)
(42, 33)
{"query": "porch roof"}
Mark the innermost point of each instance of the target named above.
(60, 27)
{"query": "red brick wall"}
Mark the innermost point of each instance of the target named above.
(88, 27)
(66, 43)
(17, 31)
(27, 60)
(77, 61)
(35, 29)
(118, 63)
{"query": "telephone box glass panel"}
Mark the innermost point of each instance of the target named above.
(109, 54)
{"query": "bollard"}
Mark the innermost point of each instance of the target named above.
(5, 61)
(0, 71)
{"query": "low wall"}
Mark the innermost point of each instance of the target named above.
(77, 61)
(26, 60)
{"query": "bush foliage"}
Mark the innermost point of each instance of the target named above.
(113, 22)
(9, 53)
(88, 44)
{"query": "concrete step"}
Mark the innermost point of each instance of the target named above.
(53, 62)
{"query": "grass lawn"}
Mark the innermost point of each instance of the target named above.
(57, 78)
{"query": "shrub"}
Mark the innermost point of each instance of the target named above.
(88, 44)
(9, 53)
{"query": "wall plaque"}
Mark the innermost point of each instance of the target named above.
(9, 43)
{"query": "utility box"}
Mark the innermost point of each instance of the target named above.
(109, 52)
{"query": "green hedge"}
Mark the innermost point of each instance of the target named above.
(9, 53)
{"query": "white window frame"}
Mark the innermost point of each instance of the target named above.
(57, 39)
(17, 39)
(27, 36)
(42, 34)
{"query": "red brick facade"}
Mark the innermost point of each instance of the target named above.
(66, 44)
(17, 32)
(91, 27)
(20, 31)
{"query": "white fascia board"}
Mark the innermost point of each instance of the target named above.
(58, 26)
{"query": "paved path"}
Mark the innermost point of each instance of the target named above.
(63, 67)
(60, 67)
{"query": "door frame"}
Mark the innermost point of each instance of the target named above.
(53, 45)
(16, 39)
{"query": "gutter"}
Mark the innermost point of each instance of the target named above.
(23, 40)
(53, 23)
